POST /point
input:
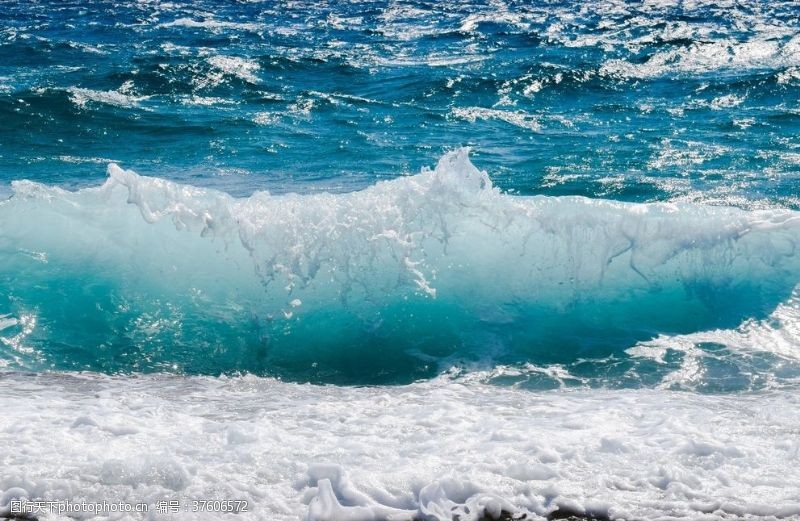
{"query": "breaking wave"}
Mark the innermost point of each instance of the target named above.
(389, 284)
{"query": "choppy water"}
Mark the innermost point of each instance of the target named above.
(471, 206)
(622, 100)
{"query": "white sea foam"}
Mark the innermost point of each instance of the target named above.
(266, 118)
(241, 68)
(435, 449)
(82, 159)
(83, 97)
(705, 57)
(499, 15)
(433, 60)
(778, 334)
(517, 118)
(214, 25)
(790, 76)
(673, 153)
(726, 102)
(206, 101)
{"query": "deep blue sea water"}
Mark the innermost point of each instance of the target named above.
(206, 262)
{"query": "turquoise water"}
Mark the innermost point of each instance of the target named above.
(280, 220)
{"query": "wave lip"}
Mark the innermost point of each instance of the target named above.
(393, 281)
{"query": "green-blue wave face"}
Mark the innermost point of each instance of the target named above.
(390, 284)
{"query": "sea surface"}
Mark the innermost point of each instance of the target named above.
(366, 261)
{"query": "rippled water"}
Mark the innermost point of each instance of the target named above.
(629, 101)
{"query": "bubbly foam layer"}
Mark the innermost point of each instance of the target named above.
(425, 451)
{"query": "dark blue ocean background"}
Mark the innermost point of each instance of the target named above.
(635, 101)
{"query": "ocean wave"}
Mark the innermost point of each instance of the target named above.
(708, 57)
(205, 101)
(242, 68)
(777, 335)
(671, 153)
(516, 118)
(404, 276)
(432, 60)
(214, 25)
(119, 98)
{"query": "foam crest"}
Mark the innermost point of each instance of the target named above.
(707, 57)
(118, 98)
